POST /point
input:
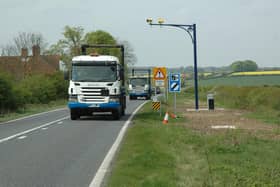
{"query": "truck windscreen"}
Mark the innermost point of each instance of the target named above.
(138, 81)
(90, 73)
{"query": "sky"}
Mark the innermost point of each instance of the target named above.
(227, 31)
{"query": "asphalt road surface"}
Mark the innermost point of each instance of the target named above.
(50, 150)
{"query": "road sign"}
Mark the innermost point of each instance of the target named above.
(174, 82)
(159, 83)
(159, 73)
(156, 105)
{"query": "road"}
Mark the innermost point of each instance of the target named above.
(50, 150)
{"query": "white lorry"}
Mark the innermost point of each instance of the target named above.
(97, 84)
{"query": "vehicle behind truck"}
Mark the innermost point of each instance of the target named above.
(139, 87)
(140, 84)
(97, 84)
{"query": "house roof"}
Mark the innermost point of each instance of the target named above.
(36, 63)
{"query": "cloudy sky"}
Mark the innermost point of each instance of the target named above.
(227, 31)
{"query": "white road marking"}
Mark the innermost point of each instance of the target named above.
(100, 174)
(32, 115)
(203, 109)
(60, 122)
(21, 137)
(44, 128)
(30, 130)
(223, 127)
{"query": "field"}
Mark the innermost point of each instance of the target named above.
(250, 80)
(256, 73)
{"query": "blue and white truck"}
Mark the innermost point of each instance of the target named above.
(97, 84)
(140, 84)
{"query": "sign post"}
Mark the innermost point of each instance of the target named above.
(174, 86)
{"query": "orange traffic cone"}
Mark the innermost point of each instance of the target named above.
(165, 120)
(172, 115)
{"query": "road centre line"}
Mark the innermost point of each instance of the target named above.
(30, 130)
(104, 167)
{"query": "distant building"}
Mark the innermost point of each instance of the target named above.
(23, 65)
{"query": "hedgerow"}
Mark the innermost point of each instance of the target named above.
(35, 89)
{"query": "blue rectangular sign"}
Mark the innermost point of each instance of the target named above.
(174, 82)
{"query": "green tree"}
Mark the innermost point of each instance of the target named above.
(59, 49)
(250, 65)
(73, 38)
(101, 37)
(70, 45)
(246, 65)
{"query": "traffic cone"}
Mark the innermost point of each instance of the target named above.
(165, 120)
(172, 115)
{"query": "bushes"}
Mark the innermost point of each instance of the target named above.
(7, 95)
(34, 89)
(252, 98)
(61, 86)
(43, 88)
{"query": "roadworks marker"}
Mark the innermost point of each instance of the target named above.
(165, 119)
(172, 115)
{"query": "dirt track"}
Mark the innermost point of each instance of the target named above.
(203, 121)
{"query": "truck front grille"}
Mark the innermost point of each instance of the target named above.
(139, 89)
(93, 94)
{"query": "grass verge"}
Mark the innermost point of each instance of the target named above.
(33, 109)
(173, 155)
(154, 154)
(267, 116)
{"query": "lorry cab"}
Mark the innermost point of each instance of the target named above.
(139, 87)
(96, 86)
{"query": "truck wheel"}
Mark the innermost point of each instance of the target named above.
(130, 97)
(74, 114)
(123, 111)
(116, 114)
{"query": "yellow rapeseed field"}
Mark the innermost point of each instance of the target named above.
(256, 73)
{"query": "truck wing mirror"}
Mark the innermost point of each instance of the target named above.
(66, 75)
(121, 74)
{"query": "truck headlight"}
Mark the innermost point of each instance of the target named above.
(114, 99)
(73, 98)
(146, 87)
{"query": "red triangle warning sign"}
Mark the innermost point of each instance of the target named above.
(159, 73)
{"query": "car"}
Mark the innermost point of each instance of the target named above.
(157, 90)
